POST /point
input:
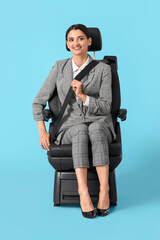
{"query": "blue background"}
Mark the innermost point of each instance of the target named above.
(32, 39)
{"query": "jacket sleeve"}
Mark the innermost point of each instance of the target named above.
(44, 94)
(102, 105)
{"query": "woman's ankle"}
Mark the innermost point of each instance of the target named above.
(104, 189)
(82, 190)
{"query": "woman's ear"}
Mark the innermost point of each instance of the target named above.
(90, 41)
(67, 44)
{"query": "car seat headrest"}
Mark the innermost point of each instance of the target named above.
(96, 40)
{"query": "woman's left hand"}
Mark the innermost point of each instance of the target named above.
(77, 87)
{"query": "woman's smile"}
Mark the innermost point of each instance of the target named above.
(77, 48)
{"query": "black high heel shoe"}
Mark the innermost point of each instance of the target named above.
(89, 214)
(102, 212)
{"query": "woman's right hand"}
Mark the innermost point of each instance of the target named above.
(44, 140)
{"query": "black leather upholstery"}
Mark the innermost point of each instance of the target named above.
(65, 150)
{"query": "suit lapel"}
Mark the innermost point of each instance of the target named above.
(68, 74)
(89, 77)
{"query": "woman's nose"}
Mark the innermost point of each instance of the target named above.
(76, 42)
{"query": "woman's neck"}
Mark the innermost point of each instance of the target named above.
(80, 60)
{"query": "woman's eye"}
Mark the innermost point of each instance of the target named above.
(71, 39)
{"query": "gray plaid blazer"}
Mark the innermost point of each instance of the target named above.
(97, 85)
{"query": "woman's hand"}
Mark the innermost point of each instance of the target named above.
(44, 140)
(77, 87)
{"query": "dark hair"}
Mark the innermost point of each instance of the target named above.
(82, 27)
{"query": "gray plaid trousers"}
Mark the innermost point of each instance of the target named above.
(79, 136)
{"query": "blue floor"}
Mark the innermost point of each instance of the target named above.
(27, 211)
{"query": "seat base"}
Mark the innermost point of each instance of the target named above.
(66, 188)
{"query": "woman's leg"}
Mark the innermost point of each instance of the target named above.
(100, 137)
(103, 175)
(85, 199)
(78, 136)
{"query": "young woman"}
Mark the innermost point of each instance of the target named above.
(87, 117)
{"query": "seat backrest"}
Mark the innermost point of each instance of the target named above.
(116, 96)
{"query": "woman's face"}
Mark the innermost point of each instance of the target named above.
(77, 42)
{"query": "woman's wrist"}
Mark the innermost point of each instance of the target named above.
(83, 97)
(41, 126)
